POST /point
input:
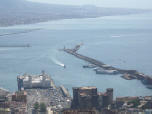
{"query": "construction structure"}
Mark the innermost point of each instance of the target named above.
(43, 81)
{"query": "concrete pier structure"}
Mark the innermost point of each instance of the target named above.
(127, 74)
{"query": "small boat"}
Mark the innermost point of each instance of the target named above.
(89, 66)
(64, 66)
(108, 72)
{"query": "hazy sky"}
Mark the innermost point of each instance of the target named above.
(146, 4)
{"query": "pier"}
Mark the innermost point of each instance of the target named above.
(16, 46)
(20, 32)
(126, 74)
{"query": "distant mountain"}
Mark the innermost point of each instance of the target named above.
(9, 4)
(14, 12)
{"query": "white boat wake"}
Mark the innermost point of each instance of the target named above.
(58, 62)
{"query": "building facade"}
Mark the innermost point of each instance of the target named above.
(89, 98)
(31, 81)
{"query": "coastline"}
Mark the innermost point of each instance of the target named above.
(2, 25)
(103, 42)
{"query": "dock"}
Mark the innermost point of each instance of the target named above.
(126, 74)
(16, 46)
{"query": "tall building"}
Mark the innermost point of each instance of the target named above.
(89, 98)
(20, 96)
(107, 97)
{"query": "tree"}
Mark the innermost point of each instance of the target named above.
(36, 106)
(42, 107)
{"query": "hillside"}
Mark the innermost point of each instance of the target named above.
(22, 12)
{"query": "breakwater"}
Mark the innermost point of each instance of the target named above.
(126, 74)
(20, 32)
(15, 46)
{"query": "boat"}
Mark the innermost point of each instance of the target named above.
(109, 72)
(89, 66)
(64, 66)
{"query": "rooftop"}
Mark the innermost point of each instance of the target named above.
(34, 78)
(88, 87)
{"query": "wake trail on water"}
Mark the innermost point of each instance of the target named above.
(57, 62)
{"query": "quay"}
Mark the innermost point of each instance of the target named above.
(16, 46)
(20, 32)
(126, 74)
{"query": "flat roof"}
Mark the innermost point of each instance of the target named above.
(87, 87)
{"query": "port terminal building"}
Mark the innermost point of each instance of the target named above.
(42, 81)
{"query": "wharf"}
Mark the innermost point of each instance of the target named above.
(127, 74)
(15, 46)
(98, 63)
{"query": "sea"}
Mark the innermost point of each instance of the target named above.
(121, 41)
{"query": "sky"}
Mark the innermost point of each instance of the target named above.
(142, 4)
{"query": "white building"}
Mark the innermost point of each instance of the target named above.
(34, 81)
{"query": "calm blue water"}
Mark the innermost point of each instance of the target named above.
(121, 41)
